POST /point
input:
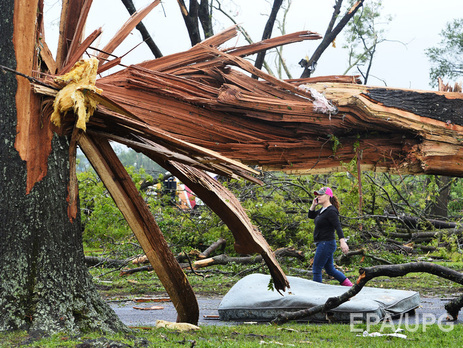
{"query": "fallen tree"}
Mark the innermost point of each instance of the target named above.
(297, 126)
(93, 261)
(223, 260)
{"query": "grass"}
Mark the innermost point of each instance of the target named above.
(288, 335)
(217, 281)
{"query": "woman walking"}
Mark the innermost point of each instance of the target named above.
(326, 223)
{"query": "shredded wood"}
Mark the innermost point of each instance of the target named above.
(75, 95)
(206, 96)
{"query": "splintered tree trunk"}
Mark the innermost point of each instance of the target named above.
(44, 283)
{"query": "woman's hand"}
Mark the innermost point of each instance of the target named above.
(344, 246)
(314, 204)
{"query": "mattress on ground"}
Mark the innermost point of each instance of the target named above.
(251, 299)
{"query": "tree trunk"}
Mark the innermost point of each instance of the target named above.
(268, 33)
(45, 285)
(440, 207)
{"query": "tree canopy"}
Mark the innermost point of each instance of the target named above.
(446, 58)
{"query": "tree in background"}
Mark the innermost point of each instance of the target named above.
(363, 34)
(335, 26)
(446, 57)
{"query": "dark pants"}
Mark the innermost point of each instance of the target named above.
(324, 259)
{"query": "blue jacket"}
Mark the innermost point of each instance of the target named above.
(326, 223)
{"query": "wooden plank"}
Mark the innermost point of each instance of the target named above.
(79, 51)
(33, 139)
(78, 33)
(108, 65)
(70, 14)
(143, 225)
(47, 57)
(73, 186)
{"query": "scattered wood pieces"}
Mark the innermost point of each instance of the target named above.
(140, 259)
(176, 326)
(152, 308)
(151, 299)
(211, 316)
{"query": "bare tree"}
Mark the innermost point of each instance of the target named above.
(194, 15)
(331, 33)
(268, 32)
(142, 29)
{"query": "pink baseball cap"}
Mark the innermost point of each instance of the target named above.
(324, 191)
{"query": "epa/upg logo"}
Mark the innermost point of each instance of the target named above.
(404, 323)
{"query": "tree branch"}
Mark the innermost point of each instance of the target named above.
(142, 29)
(367, 274)
(330, 35)
(191, 20)
(268, 32)
(205, 17)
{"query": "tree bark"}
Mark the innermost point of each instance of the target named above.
(205, 17)
(44, 284)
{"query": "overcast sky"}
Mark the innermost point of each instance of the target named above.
(400, 62)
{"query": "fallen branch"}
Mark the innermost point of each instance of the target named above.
(221, 260)
(125, 272)
(93, 261)
(225, 259)
(345, 258)
(212, 247)
(426, 236)
(414, 222)
(366, 274)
